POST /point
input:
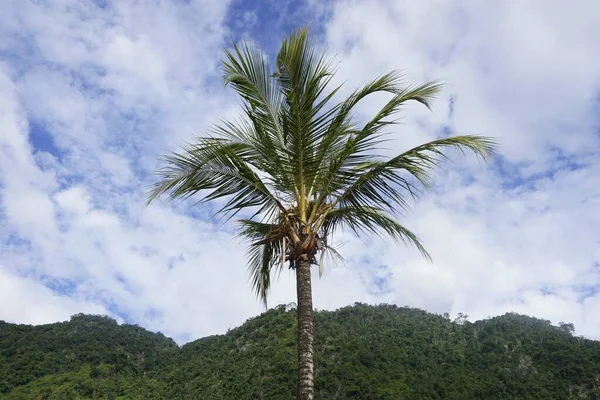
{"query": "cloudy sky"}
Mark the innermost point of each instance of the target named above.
(92, 91)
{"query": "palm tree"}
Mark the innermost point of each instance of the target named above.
(300, 167)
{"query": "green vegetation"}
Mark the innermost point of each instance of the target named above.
(363, 352)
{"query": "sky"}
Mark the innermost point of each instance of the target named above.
(93, 91)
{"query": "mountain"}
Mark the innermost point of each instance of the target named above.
(363, 352)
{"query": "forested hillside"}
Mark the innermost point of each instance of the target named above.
(362, 352)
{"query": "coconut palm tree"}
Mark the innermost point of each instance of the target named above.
(299, 167)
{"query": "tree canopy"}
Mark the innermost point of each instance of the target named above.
(363, 352)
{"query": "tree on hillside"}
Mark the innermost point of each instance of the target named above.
(302, 167)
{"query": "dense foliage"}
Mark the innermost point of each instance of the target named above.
(364, 352)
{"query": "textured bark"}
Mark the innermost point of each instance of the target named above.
(306, 330)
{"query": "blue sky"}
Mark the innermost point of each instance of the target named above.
(91, 92)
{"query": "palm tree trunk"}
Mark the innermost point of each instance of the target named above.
(306, 330)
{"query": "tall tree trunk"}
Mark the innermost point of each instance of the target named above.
(306, 330)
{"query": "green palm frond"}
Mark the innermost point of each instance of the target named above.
(423, 94)
(257, 231)
(266, 252)
(247, 70)
(371, 220)
(302, 75)
(223, 168)
(386, 183)
(261, 262)
(334, 144)
(353, 153)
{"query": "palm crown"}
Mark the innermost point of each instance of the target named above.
(300, 162)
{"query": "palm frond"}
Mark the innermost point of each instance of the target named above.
(302, 75)
(338, 127)
(371, 220)
(386, 183)
(267, 248)
(221, 167)
(257, 231)
(261, 260)
(346, 150)
(247, 70)
(423, 94)
(266, 253)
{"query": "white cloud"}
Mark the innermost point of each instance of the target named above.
(524, 242)
(73, 199)
(115, 87)
(26, 301)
